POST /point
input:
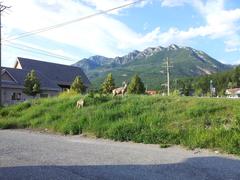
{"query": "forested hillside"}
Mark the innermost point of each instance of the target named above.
(201, 85)
(148, 64)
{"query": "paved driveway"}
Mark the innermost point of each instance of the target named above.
(31, 155)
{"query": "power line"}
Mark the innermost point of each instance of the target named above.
(2, 9)
(37, 31)
(39, 51)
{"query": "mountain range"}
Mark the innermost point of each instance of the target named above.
(149, 65)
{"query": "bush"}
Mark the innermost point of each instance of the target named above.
(136, 86)
(123, 131)
(108, 84)
(68, 94)
(78, 85)
(31, 84)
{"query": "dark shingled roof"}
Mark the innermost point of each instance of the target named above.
(61, 74)
(19, 75)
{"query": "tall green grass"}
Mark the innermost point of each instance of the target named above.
(192, 122)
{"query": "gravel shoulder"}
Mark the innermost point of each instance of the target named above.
(33, 155)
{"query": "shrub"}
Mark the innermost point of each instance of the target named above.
(31, 84)
(78, 85)
(136, 86)
(123, 131)
(68, 94)
(108, 84)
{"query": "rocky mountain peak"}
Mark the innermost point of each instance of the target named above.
(173, 47)
(187, 62)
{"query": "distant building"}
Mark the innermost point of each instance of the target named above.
(54, 78)
(151, 92)
(233, 93)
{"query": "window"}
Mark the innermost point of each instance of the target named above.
(43, 95)
(19, 96)
(16, 96)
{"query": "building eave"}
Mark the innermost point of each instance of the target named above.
(22, 87)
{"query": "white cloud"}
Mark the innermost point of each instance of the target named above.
(101, 5)
(220, 23)
(106, 4)
(227, 49)
(102, 35)
(107, 36)
(232, 45)
(62, 56)
(173, 3)
(233, 42)
(237, 62)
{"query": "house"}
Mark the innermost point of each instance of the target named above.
(151, 92)
(54, 78)
(233, 93)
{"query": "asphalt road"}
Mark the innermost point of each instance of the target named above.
(31, 155)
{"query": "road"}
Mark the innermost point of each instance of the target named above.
(33, 155)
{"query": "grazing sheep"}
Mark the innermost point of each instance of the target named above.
(80, 103)
(120, 90)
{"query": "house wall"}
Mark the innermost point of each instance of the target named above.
(234, 96)
(7, 94)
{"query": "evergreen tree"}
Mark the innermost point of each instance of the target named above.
(136, 86)
(108, 84)
(236, 76)
(31, 84)
(78, 85)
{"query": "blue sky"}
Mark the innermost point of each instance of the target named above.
(212, 26)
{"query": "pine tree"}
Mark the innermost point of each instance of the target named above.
(108, 84)
(136, 86)
(31, 84)
(78, 85)
(237, 76)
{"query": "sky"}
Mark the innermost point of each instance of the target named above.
(212, 26)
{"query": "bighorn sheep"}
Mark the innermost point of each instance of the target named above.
(120, 90)
(80, 103)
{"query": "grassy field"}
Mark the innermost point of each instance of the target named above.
(192, 122)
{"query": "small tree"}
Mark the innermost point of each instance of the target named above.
(108, 85)
(31, 84)
(78, 85)
(232, 85)
(136, 86)
(236, 76)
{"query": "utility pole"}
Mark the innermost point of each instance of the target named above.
(2, 8)
(168, 75)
